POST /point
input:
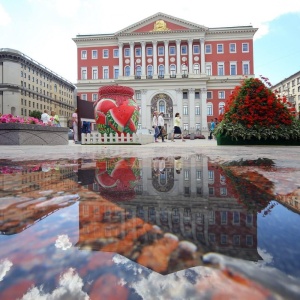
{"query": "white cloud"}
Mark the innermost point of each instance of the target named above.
(5, 266)
(4, 17)
(63, 242)
(70, 287)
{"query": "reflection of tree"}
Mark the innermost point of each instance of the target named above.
(251, 188)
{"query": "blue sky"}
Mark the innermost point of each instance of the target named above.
(43, 29)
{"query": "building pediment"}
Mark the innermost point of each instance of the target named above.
(158, 23)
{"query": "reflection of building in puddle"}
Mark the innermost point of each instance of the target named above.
(196, 205)
(27, 197)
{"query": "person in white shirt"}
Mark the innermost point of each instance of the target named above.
(161, 125)
(45, 118)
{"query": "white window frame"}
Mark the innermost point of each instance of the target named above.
(245, 47)
(209, 109)
(116, 72)
(127, 71)
(208, 49)
(172, 50)
(172, 70)
(208, 69)
(105, 72)
(221, 70)
(149, 70)
(94, 72)
(209, 95)
(149, 51)
(116, 53)
(220, 48)
(105, 53)
(94, 97)
(185, 110)
(211, 175)
(198, 126)
(183, 50)
(84, 97)
(246, 68)
(94, 54)
(236, 218)
(197, 110)
(83, 54)
(196, 68)
(138, 52)
(221, 108)
(83, 73)
(221, 95)
(196, 49)
(185, 126)
(236, 240)
(232, 47)
(161, 51)
(233, 68)
(126, 52)
(223, 217)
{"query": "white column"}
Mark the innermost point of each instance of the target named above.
(192, 109)
(202, 56)
(166, 57)
(178, 67)
(120, 59)
(204, 110)
(154, 45)
(131, 58)
(190, 41)
(143, 58)
(144, 110)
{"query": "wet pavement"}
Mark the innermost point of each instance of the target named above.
(183, 220)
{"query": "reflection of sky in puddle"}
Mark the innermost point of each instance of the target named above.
(126, 225)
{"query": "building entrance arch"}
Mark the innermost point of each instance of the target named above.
(162, 102)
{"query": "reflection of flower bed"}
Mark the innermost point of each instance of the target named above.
(117, 177)
(252, 189)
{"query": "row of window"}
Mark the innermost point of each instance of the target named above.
(161, 50)
(161, 70)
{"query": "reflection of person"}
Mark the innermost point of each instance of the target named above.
(155, 126)
(161, 165)
(161, 125)
(212, 127)
(177, 125)
(75, 125)
(156, 166)
(55, 119)
(178, 164)
(45, 118)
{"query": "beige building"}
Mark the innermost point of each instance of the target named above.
(290, 87)
(26, 85)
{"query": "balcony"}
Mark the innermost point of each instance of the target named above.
(161, 76)
(137, 77)
(149, 77)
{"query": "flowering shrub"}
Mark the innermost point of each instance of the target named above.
(12, 119)
(254, 111)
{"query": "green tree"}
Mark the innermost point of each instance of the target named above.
(36, 114)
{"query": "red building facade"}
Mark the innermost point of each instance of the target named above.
(172, 64)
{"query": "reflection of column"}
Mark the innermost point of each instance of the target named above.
(190, 56)
(178, 56)
(203, 109)
(192, 109)
(143, 58)
(202, 56)
(120, 59)
(205, 177)
(132, 58)
(193, 173)
(154, 43)
(166, 57)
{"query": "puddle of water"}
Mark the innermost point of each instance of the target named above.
(151, 228)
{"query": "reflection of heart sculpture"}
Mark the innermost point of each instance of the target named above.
(117, 176)
(116, 111)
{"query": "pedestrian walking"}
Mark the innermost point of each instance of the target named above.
(155, 125)
(211, 129)
(75, 125)
(161, 126)
(177, 127)
(45, 118)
